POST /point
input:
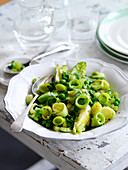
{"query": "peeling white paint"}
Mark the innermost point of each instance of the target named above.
(109, 152)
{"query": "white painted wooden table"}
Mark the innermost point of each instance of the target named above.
(109, 152)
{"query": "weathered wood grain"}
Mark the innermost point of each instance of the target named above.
(109, 152)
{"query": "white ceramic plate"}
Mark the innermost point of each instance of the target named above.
(113, 31)
(112, 54)
(123, 56)
(20, 85)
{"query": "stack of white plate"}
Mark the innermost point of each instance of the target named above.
(112, 35)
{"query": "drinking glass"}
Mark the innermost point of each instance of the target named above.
(83, 21)
(33, 27)
(60, 21)
(60, 15)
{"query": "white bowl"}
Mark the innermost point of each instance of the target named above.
(20, 86)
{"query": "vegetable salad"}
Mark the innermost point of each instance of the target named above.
(16, 66)
(74, 102)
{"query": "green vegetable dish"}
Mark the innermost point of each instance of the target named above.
(74, 102)
(16, 66)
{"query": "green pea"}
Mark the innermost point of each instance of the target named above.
(51, 101)
(22, 67)
(49, 121)
(67, 84)
(65, 78)
(94, 99)
(86, 82)
(38, 112)
(116, 103)
(48, 125)
(65, 74)
(13, 61)
(118, 100)
(44, 122)
(12, 65)
(62, 81)
(88, 86)
(76, 108)
(62, 96)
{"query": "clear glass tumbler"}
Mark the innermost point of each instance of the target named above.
(33, 27)
(83, 21)
(60, 21)
(60, 15)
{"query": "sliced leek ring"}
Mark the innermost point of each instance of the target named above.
(32, 110)
(44, 87)
(104, 98)
(98, 120)
(46, 112)
(82, 101)
(60, 109)
(58, 120)
(75, 84)
(96, 108)
(97, 75)
(108, 112)
(105, 85)
(29, 98)
(61, 87)
(97, 84)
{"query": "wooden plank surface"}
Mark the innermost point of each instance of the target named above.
(4, 1)
(109, 152)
